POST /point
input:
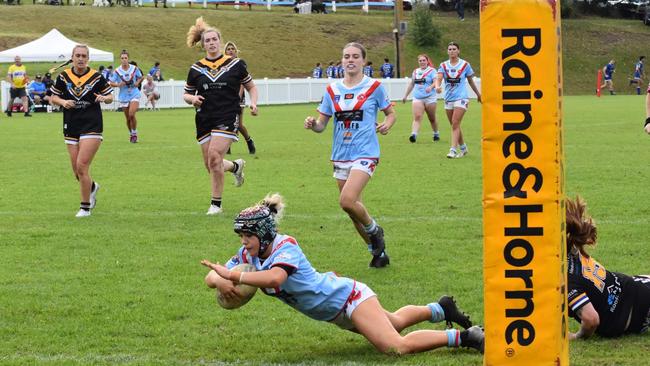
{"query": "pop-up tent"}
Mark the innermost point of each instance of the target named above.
(53, 46)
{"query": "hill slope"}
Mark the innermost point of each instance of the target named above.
(280, 43)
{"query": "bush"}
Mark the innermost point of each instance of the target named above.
(423, 32)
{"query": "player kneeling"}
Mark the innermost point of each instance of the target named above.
(284, 272)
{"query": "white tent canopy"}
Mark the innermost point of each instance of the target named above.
(53, 46)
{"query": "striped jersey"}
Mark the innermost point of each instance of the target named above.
(610, 293)
(355, 118)
(422, 79)
(129, 76)
(320, 296)
(81, 89)
(455, 77)
(218, 81)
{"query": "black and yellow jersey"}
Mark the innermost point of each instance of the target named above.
(612, 294)
(218, 81)
(81, 89)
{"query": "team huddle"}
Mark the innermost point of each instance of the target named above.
(604, 302)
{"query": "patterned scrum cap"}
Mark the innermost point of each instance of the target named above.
(259, 221)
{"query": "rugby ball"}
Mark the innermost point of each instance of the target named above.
(247, 292)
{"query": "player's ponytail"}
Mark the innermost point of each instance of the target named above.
(195, 34)
(275, 203)
(580, 227)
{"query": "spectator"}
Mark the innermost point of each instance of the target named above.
(155, 68)
(107, 72)
(17, 77)
(330, 72)
(37, 90)
(387, 69)
(339, 70)
(150, 92)
(157, 76)
(646, 127)
(317, 73)
(368, 70)
(460, 9)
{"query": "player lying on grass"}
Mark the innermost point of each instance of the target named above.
(284, 272)
(604, 302)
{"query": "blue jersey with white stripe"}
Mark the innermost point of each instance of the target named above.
(330, 72)
(130, 91)
(455, 77)
(638, 69)
(609, 71)
(320, 296)
(354, 112)
(317, 73)
(387, 70)
(422, 79)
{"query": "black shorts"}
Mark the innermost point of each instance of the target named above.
(224, 126)
(75, 131)
(641, 309)
(17, 93)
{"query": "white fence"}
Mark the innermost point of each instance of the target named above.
(270, 91)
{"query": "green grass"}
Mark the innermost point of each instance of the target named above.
(280, 44)
(125, 285)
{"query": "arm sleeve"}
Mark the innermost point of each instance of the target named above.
(383, 100)
(469, 71)
(577, 297)
(326, 106)
(59, 86)
(287, 257)
(103, 88)
(236, 259)
(190, 87)
(245, 76)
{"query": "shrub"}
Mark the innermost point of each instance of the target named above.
(423, 32)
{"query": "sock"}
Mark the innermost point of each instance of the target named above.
(436, 133)
(611, 92)
(135, 131)
(248, 139)
(216, 201)
(85, 206)
(414, 134)
(638, 90)
(437, 313)
(453, 337)
(463, 147)
(370, 228)
(235, 166)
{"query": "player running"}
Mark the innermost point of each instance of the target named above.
(454, 72)
(354, 102)
(80, 90)
(128, 77)
(638, 75)
(604, 302)
(284, 272)
(608, 73)
(212, 87)
(424, 97)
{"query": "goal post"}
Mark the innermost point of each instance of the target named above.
(524, 251)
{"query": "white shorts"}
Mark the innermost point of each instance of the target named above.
(433, 99)
(342, 169)
(360, 293)
(73, 141)
(461, 103)
(126, 104)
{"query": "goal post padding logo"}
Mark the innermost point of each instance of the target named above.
(524, 259)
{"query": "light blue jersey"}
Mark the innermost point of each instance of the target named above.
(422, 79)
(455, 77)
(130, 76)
(355, 116)
(320, 296)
